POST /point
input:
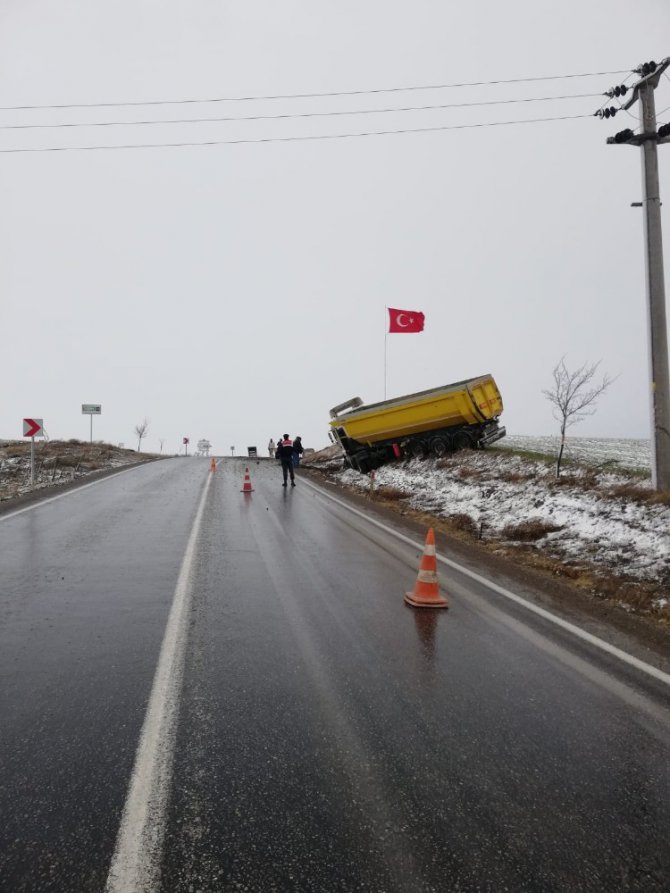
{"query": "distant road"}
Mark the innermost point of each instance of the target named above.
(208, 690)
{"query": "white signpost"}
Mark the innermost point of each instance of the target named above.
(91, 409)
(33, 428)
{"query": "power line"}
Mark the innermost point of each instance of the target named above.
(338, 113)
(290, 139)
(526, 80)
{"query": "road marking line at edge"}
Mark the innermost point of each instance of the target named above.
(136, 861)
(547, 615)
(6, 515)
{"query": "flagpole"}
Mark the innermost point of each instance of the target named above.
(386, 335)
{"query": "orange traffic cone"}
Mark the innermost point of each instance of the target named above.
(247, 488)
(426, 592)
(212, 464)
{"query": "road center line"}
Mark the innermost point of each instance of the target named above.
(137, 856)
(489, 584)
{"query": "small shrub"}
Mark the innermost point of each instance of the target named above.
(515, 477)
(16, 451)
(71, 461)
(633, 493)
(463, 521)
(586, 481)
(444, 463)
(392, 493)
(629, 492)
(529, 531)
(466, 472)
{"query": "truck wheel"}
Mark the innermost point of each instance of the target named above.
(440, 446)
(417, 449)
(361, 463)
(462, 441)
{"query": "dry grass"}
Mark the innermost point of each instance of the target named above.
(587, 480)
(392, 494)
(635, 493)
(464, 523)
(529, 531)
(659, 498)
(14, 451)
(56, 461)
(516, 477)
(632, 596)
(467, 472)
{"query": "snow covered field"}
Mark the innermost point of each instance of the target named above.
(596, 451)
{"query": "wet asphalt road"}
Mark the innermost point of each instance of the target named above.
(329, 738)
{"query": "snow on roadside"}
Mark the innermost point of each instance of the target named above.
(499, 491)
(56, 462)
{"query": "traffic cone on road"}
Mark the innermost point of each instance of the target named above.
(247, 488)
(426, 593)
(212, 464)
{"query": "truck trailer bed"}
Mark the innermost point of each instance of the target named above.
(469, 402)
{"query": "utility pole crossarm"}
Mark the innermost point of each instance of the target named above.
(652, 78)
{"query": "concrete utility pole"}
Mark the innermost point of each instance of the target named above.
(657, 324)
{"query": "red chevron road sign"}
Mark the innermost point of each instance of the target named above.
(32, 427)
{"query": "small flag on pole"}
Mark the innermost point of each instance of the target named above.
(405, 320)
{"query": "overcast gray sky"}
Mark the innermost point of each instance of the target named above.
(237, 291)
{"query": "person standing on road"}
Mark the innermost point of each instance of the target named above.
(285, 454)
(297, 450)
(272, 448)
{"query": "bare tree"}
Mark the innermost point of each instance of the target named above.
(141, 430)
(573, 397)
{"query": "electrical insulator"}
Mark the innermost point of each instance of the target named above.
(621, 91)
(623, 136)
(647, 68)
(664, 130)
(610, 112)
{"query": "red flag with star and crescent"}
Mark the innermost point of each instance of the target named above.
(405, 320)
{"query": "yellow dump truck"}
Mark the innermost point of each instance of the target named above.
(434, 422)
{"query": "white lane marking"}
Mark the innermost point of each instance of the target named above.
(34, 505)
(541, 612)
(136, 862)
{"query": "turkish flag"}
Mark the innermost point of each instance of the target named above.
(405, 320)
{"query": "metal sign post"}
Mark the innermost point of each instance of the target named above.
(186, 441)
(31, 429)
(91, 409)
(232, 451)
